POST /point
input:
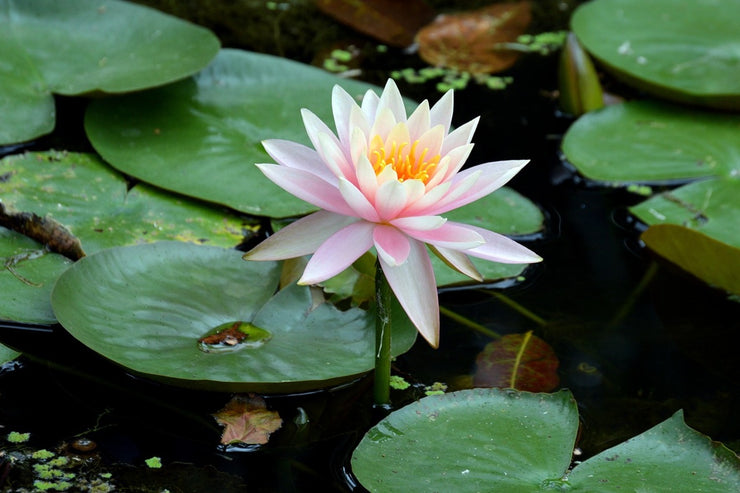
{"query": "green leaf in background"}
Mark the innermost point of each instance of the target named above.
(684, 50)
(7, 354)
(651, 142)
(202, 136)
(94, 203)
(504, 440)
(714, 262)
(146, 306)
(26, 280)
(80, 46)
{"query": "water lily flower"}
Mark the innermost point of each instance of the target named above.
(384, 180)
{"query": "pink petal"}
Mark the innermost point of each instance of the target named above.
(492, 176)
(392, 245)
(390, 199)
(419, 223)
(295, 155)
(301, 237)
(453, 235)
(499, 248)
(338, 252)
(341, 105)
(458, 261)
(392, 100)
(460, 136)
(416, 290)
(419, 121)
(457, 158)
(315, 127)
(441, 112)
(357, 201)
(308, 187)
(335, 157)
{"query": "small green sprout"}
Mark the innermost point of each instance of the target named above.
(399, 383)
(643, 190)
(15, 437)
(154, 462)
(42, 454)
(436, 388)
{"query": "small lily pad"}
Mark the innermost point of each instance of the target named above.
(80, 46)
(505, 440)
(7, 354)
(202, 136)
(147, 306)
(685, 50)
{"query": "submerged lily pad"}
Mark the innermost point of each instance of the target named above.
(655, 143)
(202, 136)
(503, 440)
(685, 50)
(93, 202)
(710, 260)
(147, 306)
(81, 46)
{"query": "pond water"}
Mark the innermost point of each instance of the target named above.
(636, 340)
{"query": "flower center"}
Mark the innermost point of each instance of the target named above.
(405, 160)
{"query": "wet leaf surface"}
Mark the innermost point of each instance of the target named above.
(683, 50)
(82, 46)
(247, 420)
(467, 41)
(517, 361)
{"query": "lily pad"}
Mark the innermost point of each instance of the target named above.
(27, 278)
(81, 46)
(202, 136)
(146, 307)
(504, 440)
(710, 260)
(685, 50)
(652, 142)
(94, 203)
(649, 142)
(7, 354)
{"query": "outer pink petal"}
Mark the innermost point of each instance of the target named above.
(392, 245)
(295, 155)
(492, 177)
(392, 100)
(338, 252)
(416, 290)
(308, 187)
(460, 136)
(441, 112)
(453, 235)
(357, 201)
(458, 261)
(301, 237)
(499, 248)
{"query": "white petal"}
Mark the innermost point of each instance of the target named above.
(460, 136)
(392, 100)
(342, 104)
(419, 223)
(419, 121)
(458, 261)
(370, 105)
(390, 199)
(357, 201)
(441, 112)
(315, 127)
(295, 155)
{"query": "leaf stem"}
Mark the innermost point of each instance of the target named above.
(468, 323)
(381, 390)
(518, 308)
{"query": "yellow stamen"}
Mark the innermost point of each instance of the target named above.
(411, 165)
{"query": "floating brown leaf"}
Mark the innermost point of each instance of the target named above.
(469, 41)
(390, 21)
(518, 361)
(247, 420)
(44, 230)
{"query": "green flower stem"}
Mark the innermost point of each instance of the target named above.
(468, 323)
(383, 295)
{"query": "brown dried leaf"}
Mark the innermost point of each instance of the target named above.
(247, 420)
(518, 361)
(468, 41)
(44, 230)
(389, 21)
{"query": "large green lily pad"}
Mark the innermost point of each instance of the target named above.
(685, 50)
(81, 46)
(202, 136)
(649, 142)
(146, 306)
(504, 440)
(94, 203)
